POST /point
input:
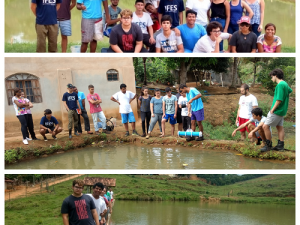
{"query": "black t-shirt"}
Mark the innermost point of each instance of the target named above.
(71, 100)
(126, 40)
(79, 210)
(178, 108)
(243, 43)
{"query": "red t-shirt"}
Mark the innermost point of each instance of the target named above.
(94, 108)
(156, 25)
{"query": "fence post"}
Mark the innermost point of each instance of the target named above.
(8, 196)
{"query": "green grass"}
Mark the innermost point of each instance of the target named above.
(31, 47)
(45, 208)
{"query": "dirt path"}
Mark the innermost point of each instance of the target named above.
(20, 191)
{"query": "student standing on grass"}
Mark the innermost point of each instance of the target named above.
(169, 111)
(19, 106)
(46, 23)
(99, 202)
(278, 111)
(127, 36)
(186, 120)
(255, 131)
(144, 21)
(81, 99)
(247, 102)
(144, 104)
(190, 32)
(64, 22)
(28, 117)
(78, 208)
(91, 13)
(70, 100)
(156, 105)
(195, 109)
(124, 98)
(173, 8)
(49, 125)
(167, 41)
(96, 110)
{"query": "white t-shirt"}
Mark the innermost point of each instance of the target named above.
(246, 105)
(143, 22)
(19, 111)
(201, 7)
(183, 100)
(99, 203)
(111, 194)
(263, 119)
(124, 100)
(206, 45)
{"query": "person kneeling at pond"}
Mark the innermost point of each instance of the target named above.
(210, 43)
(257, 131)
(124, 98)
(49, 125)
(156, 105)
(169, 111)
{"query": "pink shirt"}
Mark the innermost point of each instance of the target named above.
(94, 108)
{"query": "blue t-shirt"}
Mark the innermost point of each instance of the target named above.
(157, 105)
(113, 14)
(190, 36)
(80, 97)
(48, 123)
(196, 104)
(93, 9)
(172, 8)
(71, 100)
(46, 13)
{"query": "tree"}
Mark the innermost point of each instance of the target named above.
(234, 71)
(145, 75)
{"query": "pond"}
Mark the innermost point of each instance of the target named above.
(128, 156)
(19, 21)
(195, 213)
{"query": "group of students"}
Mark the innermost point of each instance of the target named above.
(157, 26)
(82, 209)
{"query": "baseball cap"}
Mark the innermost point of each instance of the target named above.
(70, 85)
(244, 19)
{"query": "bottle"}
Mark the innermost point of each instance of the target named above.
(237, 124)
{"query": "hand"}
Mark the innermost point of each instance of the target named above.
(236, 121)
(83, 7)
(175, 116)
(218, 39)
(190, 101)
(49, 130)
(153, 115)
(105, 211)
(272, 111)
(164, 115)
(250, 134)
(233, 133)
(189, 114)
(110, 211)
(120, 103)
(177, 32)
(53, 132)
(80, 112)
(224, 31)
(259, 29)
(152, 40)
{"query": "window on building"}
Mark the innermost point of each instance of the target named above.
(112, 75)
(27, 83)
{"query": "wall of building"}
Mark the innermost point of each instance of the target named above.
(55, 73)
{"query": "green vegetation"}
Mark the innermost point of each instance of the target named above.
(45, 208)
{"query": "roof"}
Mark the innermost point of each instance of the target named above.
(90, 181)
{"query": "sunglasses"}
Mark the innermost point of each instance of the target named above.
(244, 25)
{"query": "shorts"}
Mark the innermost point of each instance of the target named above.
(242, 121)
(178, 117)
(65, 27)
(51, 128)
(274, 120)
(128, 117)
(198, 115)
(87, 29)
(172, 119)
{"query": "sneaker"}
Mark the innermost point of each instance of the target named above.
(76, 133)
(144, 135)
(54, 137)
(135, 133)
(45, 139)
(70, 136)
(36, 139)
(199, 138)
(190, 139)
(25, 142)
(147, 137)
(28, 139)
(279, 146)
(127, 134)
(267, 146)
(89, 132)
(105, 131)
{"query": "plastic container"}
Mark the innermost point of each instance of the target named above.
(75, 48)
(190, 134)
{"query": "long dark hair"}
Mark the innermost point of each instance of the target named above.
(142, 91)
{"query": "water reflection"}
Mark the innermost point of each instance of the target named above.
(129, 156)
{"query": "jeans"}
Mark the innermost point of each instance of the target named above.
(145, 116)
(30, 126)
(72, 114)
(222, 22)
(23, 122)
(186, 122)
(157, 117)
(233, 28)
(86, 121)
(146, 42)
(101, 117)
(254, 29)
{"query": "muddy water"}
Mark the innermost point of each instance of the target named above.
(128, 156)
(19, 20)
(195, 213)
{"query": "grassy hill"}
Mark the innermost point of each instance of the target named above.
(45, 208)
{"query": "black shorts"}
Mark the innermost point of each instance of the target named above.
(178, 117)
(51, 128)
